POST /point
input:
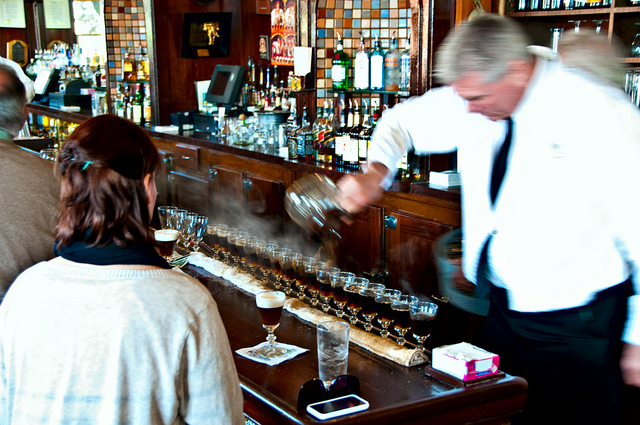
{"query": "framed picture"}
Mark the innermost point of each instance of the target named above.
(18, 52)
(263, 47)
(283, 31)
(263, 7)
(206, 35)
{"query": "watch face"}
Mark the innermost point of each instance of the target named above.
(204, 2)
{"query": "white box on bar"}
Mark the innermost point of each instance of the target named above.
(444, 178)
(464, 361)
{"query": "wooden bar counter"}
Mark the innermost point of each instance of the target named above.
(397, 394)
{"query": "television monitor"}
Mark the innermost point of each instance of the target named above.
(226, 85)
(46, 81)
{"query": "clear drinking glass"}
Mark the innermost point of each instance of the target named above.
(313, 288)
(384, 300)
(286, 264)
(338, 282)
(324, 281)
(263, 250)
(230, 245)
(276, 265)
(164, 213)
(333, 350)
(221, 238)
(177, 218)
(197, 229)
(354, 299)
(301, 277)
(270, 304)
(369, 308)
(401, 308)
(423, 313)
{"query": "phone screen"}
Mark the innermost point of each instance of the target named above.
(338, 404)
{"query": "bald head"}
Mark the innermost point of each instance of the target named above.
(13, 101)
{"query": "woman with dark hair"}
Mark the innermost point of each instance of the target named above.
(106, 332)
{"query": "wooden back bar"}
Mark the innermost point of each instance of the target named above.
(397, 394)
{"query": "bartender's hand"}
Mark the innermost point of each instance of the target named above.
(630, 364)
(361, 190)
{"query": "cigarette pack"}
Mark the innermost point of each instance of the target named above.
(464, 361)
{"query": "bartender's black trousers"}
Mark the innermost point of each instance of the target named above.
(570, 358)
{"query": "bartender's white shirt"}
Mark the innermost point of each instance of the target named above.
(566, 222)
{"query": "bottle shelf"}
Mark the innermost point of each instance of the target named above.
(132, 82)
(357, 92)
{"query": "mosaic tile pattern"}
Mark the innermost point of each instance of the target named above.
(349, 18)
(125, 29)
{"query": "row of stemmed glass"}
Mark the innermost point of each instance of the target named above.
(190, 225)
(284, 269)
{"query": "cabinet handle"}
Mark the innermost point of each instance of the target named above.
(390, 222)
(213, 174)
(167, 160)
(186, 158)
(247, 184)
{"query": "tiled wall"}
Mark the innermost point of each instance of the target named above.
(349, 18)
(125, 29)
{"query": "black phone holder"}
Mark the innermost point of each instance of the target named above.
(314, 391)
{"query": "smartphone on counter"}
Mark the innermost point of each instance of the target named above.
(335, 407)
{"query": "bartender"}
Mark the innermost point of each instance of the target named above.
(549, 164)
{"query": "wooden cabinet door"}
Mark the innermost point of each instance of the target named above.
(412, 269)
(265, 200)
(192, 192)
(360, 247)
(408, 253)
(228, 203)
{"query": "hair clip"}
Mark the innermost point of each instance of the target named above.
(86, 163)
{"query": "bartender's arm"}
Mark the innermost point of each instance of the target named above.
(361, 190)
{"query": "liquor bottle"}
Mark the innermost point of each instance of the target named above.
(260, 87)
(147, 106)
(119, 103)
(405, 66)
(127, 103)
(341, 134)
(128, 66)
(350, 155)
(340, 68)
(361, 67)
(377, 67)
(96, 78)
(136, 107)
(292, 127)
(318, 136)
(392, 66)
(304, 136)
(328, 145)
(365, 136)
(250, 86)
(267, 82)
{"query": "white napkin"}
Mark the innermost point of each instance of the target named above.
(251, 353)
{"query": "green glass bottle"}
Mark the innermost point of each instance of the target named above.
(340, 68)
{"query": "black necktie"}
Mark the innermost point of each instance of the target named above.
(500, 163)
(497, 175)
